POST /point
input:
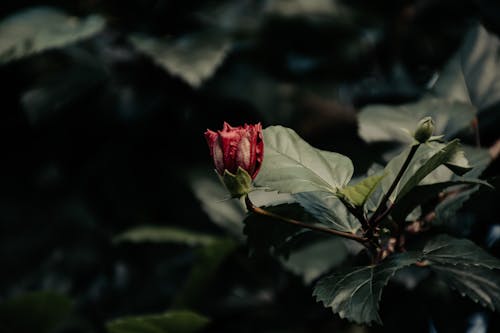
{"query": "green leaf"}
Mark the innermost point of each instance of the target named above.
(358, 194)
(428, 158)
(194, 57)
(266, 235)
(480, 284)
(169, 322)
(38, 29)
(40, 311)
(386, 122)
(449, 154)
(329, 210)
(208, 260)
(292, 165)
(447, 210)
(160, 234)
(447, 250)
(423, 193)
(354, 293)
(466, 267)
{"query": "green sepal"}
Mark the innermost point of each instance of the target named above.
(238, 184)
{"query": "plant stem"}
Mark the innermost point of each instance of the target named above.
(257, 210)
(356, 212)
(382, 210)
(475, 127)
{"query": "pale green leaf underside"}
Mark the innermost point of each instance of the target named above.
(291, 165)
(329, 210)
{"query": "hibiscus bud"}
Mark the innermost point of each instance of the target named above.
(424, 130)
(237, 153)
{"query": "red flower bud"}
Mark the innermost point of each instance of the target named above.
(234, 147)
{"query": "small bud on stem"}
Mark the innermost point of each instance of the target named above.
(424, 130)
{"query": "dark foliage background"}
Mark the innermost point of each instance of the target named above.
(101, 134)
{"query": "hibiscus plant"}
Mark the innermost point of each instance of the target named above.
(385, 215)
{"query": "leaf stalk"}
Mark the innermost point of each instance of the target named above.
(258, 210)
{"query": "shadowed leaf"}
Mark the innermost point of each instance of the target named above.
(354, 293)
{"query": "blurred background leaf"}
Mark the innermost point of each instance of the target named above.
(42, 311)
(104, 106)
(41, 28)
(173, 321)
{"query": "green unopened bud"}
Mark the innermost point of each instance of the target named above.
(424, 130)
(237, 184)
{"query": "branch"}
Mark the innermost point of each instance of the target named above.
(257, 210)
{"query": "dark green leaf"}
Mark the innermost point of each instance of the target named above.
(447, 250)
(329, 210)
(291, 165)
(447, 210)
(169, 322)
(423, 193)
(39, 312)
(466, 267)
(41, 28)
(480, 284)
(355, 293)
